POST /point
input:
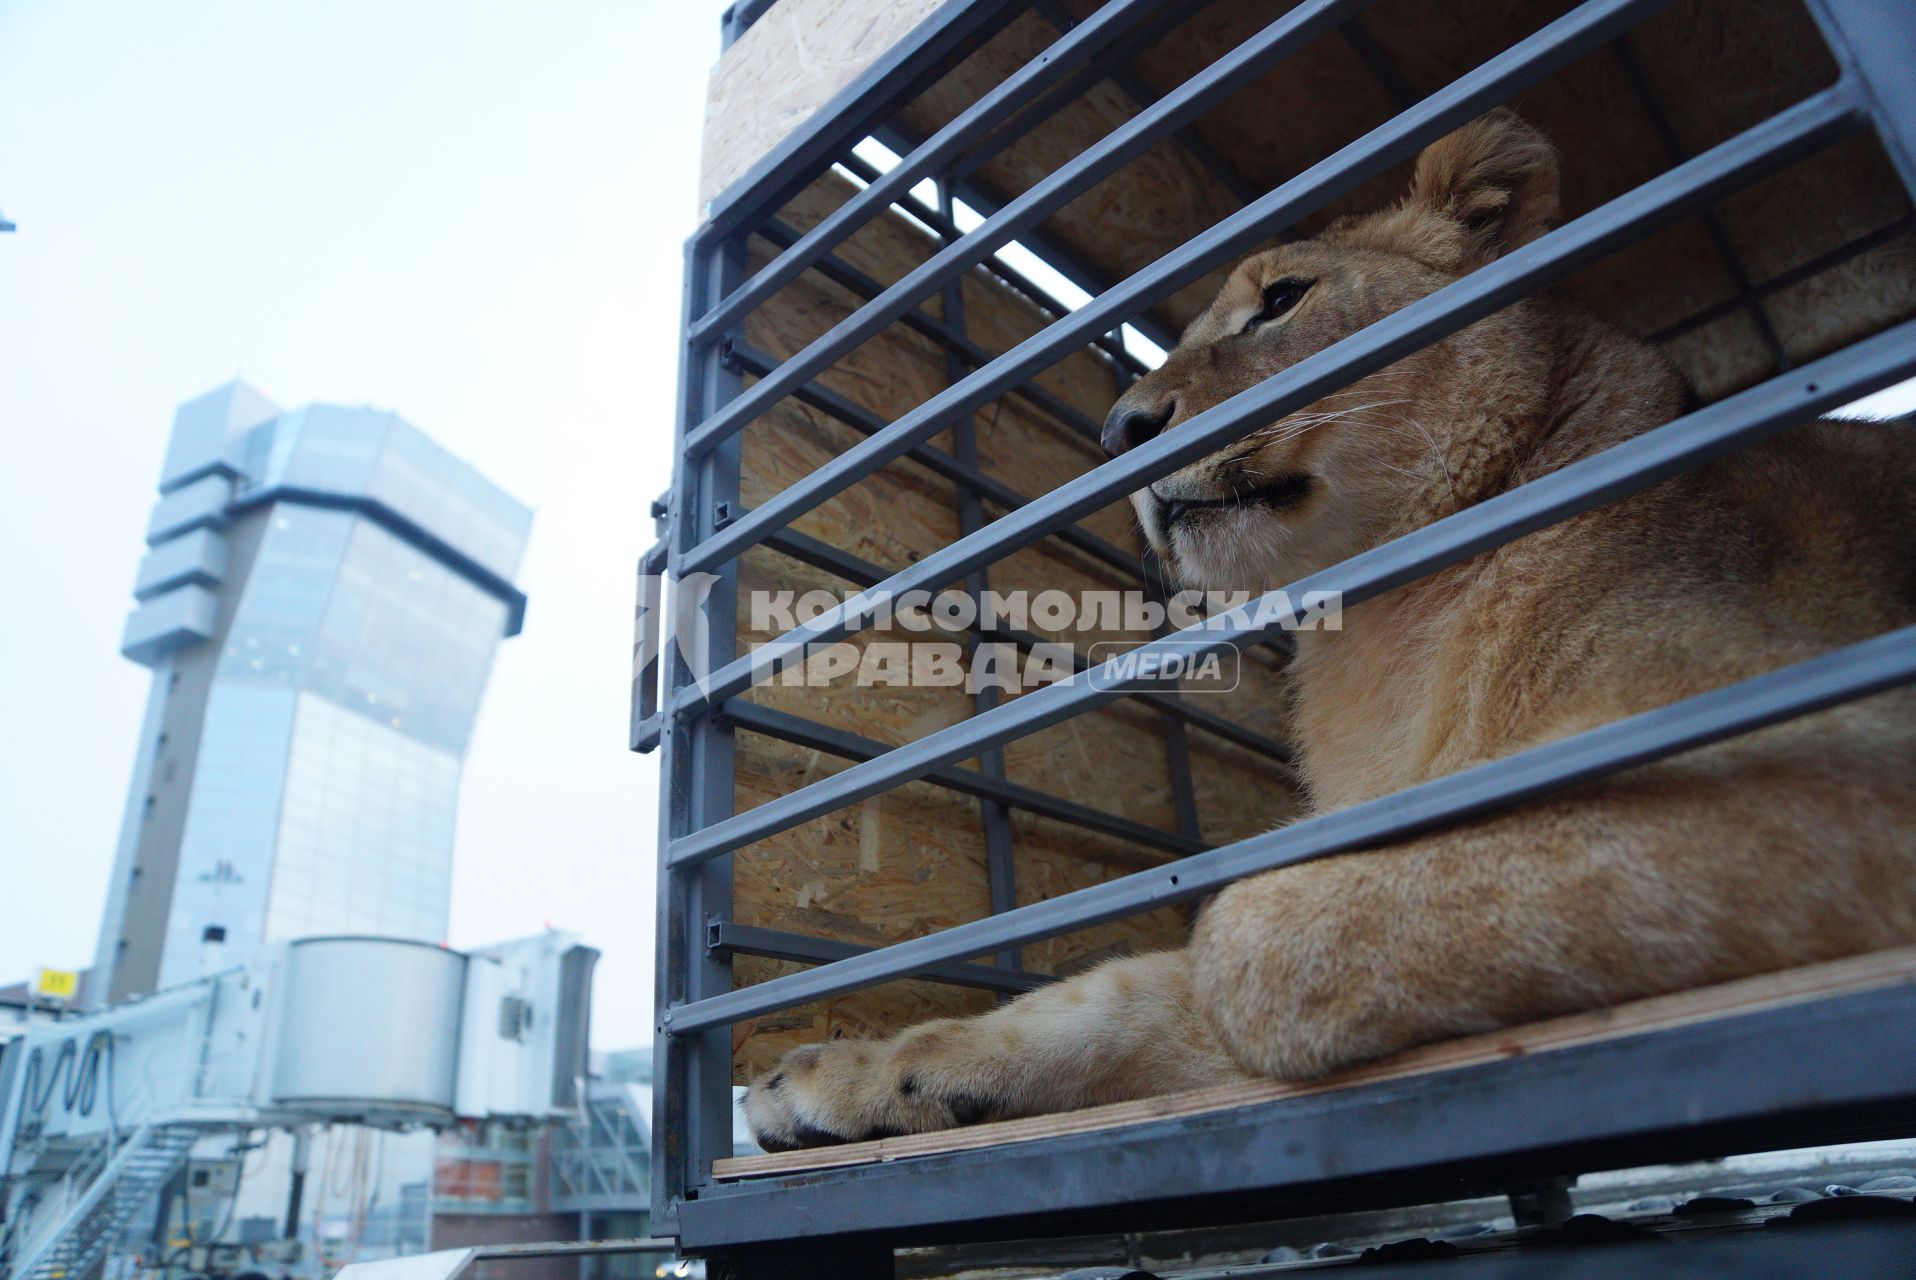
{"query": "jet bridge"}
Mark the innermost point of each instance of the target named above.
(97, 1112)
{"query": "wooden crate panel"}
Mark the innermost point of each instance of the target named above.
(1715, 66)
(895, 866)
(913, 861)
(790, 63)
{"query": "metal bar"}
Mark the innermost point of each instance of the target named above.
(1041, 112)
(1794, 276)
(862, 420)
(1054, 253)
(849, 277)
(1623, 469)
(786, 727)
(1854, 671)
(648, 645)
(1359, 38)
(1673, 147)
(72, 1217)
(1875, 44)
(1775, 142)
(1206, 89)
(1001, 871)
(1211, 722)
(775, 944)
(1177, 747)
(1242, 189)
(729, 30)
(739, 17)
(1828, 1070)
(823, 555)
(674, 1173)
(1177, 762)
(924, 161)
(569, 1248)
(692, 1100)
(1111, 344)
(1594, 22)
(895, 77)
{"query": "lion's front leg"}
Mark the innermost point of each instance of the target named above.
(1672, 877)
(1127, 1029)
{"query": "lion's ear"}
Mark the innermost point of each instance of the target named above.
(1496, 178)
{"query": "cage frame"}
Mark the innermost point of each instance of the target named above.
(1580, 1105)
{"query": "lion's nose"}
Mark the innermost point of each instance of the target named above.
(1128, 426)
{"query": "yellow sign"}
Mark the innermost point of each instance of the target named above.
(56, 984)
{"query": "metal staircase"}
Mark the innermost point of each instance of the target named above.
(103, 1192)
(99, 1109)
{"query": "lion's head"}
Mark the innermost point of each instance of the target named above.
(1437, 430)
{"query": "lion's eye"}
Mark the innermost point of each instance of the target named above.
(1278, 299)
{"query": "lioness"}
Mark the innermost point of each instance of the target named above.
(1784, 847)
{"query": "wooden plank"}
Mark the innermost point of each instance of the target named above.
(1749, 995)
(788, 65)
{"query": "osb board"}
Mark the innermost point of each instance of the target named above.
(900, 865)
(891, 714)
(1852, 976)
(1029, 452)
(1717, 66)
(1054, 859)
(912, 861)
(759, 1041)
(894, 371)
(995, 319)
(790, 63)
(1005, 318)
(1846, 302)
(895, 866)
(1122, 223)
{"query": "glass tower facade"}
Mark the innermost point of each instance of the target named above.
(320, 603)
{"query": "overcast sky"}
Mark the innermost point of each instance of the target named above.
(470, 213)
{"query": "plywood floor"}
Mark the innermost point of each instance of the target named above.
(1796, 986)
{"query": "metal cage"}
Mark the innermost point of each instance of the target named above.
(1694, 1091)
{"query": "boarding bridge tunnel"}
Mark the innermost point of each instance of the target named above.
(99, 1111)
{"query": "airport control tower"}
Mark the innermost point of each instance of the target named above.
(320, 601)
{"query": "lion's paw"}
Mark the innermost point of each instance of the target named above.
(818, 1095)
(854, 1091)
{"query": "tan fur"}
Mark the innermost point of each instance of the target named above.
(1781, 848)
